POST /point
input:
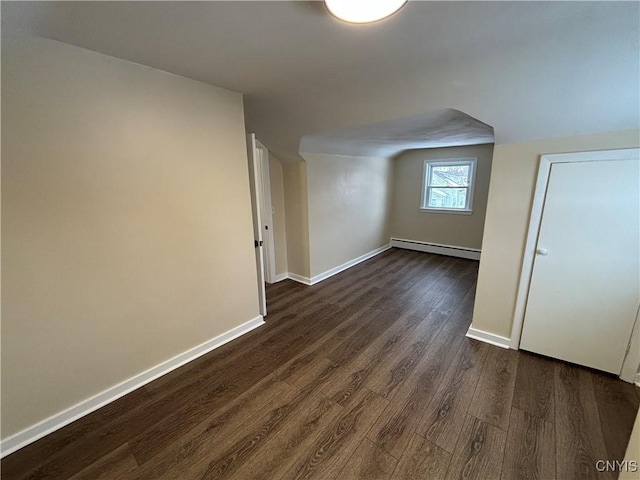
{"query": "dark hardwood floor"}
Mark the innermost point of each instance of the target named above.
(367, 375)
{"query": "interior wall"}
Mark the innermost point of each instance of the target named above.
(276, 179)
(349, 208)
(513, 177)
(409, 222)
(296, 217)
(126, 221)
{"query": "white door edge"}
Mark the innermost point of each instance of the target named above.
(254, 176)
(267, 215)
(631, 364)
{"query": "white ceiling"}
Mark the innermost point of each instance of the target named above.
(528, 69)
(440, 128)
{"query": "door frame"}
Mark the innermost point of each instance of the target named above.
(539, 197)
(254, 175)
(266, 214)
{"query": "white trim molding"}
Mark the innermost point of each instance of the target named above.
(437, 248)
(299, 278)
(280, 277)
(487, 337)
(349, 264)
(340, 268)
(631, 365)
(426, 180)
(61, 419)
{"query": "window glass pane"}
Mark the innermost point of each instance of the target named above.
(450, 176)
(447, 198)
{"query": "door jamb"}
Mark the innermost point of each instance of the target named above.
(254, 170)
(267, 214)
(631, 363)
(539, 196)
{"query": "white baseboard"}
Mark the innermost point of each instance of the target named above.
(487, 337)
(349, 264)
(280, 277)
(59, 420)
(450, 250)
(299, 278)
(340, 268)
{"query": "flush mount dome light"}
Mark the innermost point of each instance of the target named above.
(363, 11)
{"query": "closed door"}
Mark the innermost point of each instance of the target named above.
(585, 286)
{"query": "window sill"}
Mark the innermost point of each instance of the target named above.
(444, 210)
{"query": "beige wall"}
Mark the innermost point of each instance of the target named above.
(349, 208)
(126, 221)
(513, 178)
(296, 217)
(276, 179)
(411, 223)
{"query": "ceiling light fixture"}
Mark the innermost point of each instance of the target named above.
(363, 11)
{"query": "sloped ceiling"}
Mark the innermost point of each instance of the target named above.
(528, 69)
(441, 128)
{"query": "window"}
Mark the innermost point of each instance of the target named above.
(448, 185)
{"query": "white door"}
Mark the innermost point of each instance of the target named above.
(585, 285)
(263, 183)
(255, 179)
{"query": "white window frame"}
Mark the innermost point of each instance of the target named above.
(426, 173)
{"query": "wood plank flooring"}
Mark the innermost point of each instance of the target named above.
(367, 375)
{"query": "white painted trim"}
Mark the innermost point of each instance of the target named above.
(487, 337)
(450, 250)
(299, 278)
(446, 210)
(539, 196)
(471, 161)
(338, 269)
(266, 213)
(59, 420)
(631, 365)
(254, 175)
(280, 277)
(349, 264)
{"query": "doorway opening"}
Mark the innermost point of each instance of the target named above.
(262, 209)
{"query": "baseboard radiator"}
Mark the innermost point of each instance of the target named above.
(450, 250)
